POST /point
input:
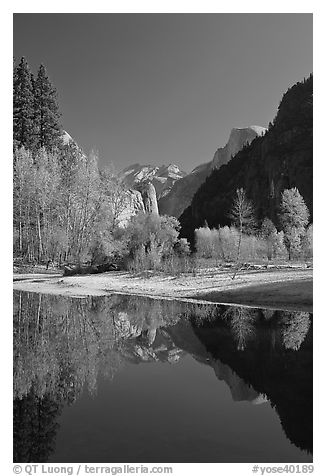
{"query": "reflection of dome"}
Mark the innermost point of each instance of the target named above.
(240, 391)
(260, 399)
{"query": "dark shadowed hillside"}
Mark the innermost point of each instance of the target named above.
(280, 159)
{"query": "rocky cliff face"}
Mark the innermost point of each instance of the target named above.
(237, 139)
(135, 201)
(280, 159)
(182, 192)
(132, 204)
(148, 194)
(162, 177)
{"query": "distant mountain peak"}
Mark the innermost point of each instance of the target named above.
(175, 202)
(238, 137)
(162, 177)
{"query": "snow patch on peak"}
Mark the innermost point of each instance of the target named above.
(258, 129)
(163, 177)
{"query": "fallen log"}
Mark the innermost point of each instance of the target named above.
(71, 270)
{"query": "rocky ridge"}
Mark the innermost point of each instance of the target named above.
(162, 177)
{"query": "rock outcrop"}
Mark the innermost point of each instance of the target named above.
(182, 192)
(135, 201)
(132, 203)
(148, 194)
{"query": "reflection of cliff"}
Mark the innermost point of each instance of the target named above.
(240, 390)
(164, 345)
(151, 346)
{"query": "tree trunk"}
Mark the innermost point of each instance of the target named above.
(20, 230)
(40, 252)
(67, 229)
(238, 252)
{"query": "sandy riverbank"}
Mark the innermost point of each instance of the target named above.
(289, 288)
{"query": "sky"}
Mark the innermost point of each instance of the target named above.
(165, 88)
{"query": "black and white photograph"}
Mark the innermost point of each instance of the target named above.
(162, 184)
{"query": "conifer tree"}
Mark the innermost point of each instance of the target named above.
(23, 102)
(46, 112)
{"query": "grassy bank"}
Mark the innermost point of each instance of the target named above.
(291, 295)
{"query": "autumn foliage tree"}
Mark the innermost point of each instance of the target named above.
(294, 217)
(274, 240)
(151, 238)
(60, 206)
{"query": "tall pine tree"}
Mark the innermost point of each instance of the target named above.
(23, 104)
(46, 112)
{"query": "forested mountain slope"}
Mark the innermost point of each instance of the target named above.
(280, 159)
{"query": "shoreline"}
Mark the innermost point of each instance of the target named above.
(288, 289)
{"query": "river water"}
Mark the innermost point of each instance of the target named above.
(127, 379)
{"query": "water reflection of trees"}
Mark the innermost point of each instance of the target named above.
(241, 321)
(57, 344)
(295, 326)
(62, 345)
(35, 426)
